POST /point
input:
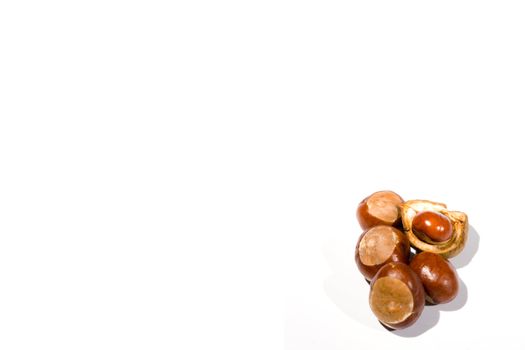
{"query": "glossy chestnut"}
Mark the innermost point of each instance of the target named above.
(378, 246)
(438, 276)
(396, 295)
(448, 248)
(436, 226)
(380, 208)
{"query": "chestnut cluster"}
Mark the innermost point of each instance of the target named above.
(401, 282)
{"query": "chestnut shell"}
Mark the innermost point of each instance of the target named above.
(447, 249)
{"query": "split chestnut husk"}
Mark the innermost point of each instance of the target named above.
(447, 249)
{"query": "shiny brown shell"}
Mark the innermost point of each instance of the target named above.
(438, 276)
(397, 296)
(378, 246)
(380, 208)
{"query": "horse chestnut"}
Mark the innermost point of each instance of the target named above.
(378, 246)
(434, 237)
(436, 226)
(438, 276)
(396, 295)
(380, 208)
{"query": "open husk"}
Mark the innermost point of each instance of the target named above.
(447, 249)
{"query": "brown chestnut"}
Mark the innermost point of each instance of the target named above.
(378, 246)
(436, 226)
(438, 276)
(380, 208)
(448, 248)
(396, 296)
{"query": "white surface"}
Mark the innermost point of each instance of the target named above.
(185, 174)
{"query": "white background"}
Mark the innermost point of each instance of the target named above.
(184, 175)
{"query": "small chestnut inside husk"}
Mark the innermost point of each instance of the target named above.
(396, 295)
(380, 245)
(438, 276)
(443, 244)
(380, 208)
(432, 227)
